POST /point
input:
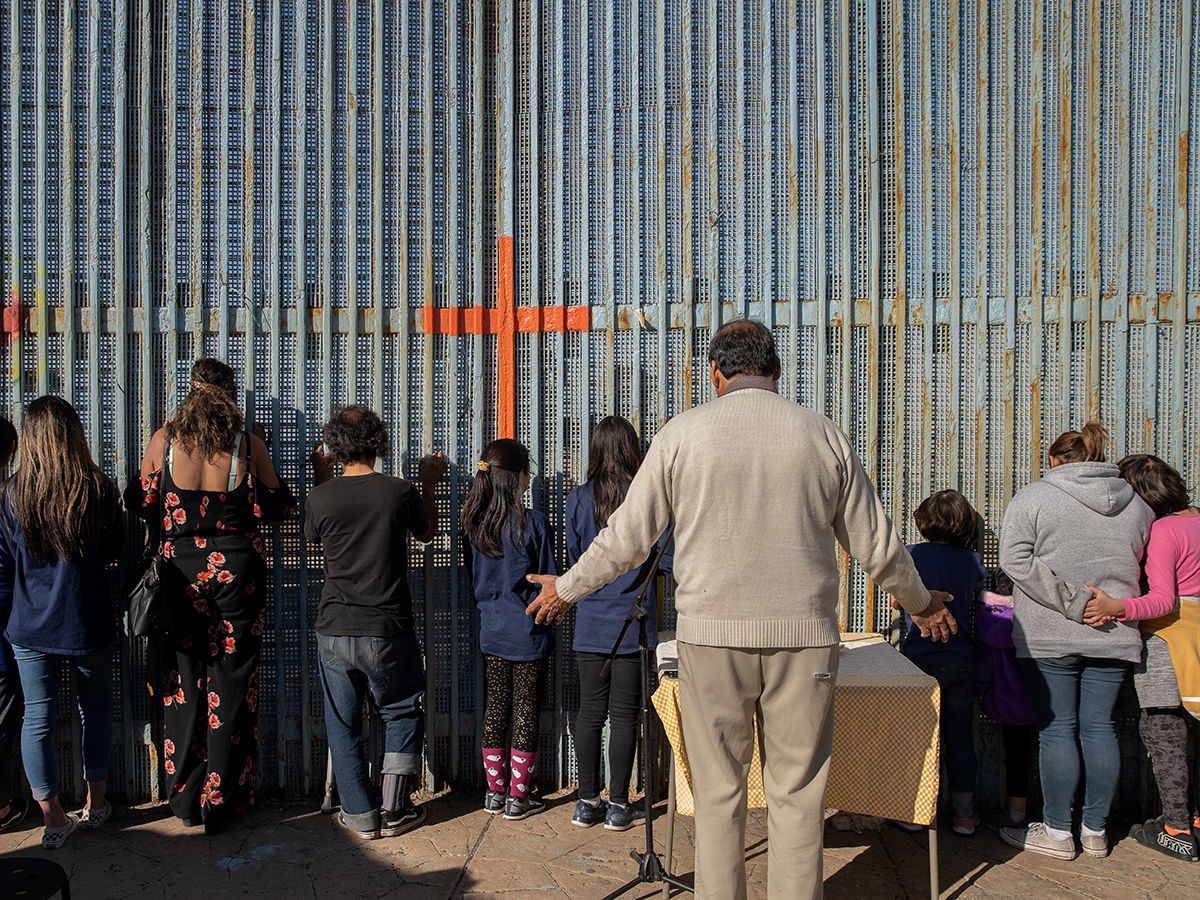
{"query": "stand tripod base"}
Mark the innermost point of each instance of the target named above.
(650, 871)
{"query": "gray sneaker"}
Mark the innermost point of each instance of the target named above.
(1036, 839)
(1095, 844)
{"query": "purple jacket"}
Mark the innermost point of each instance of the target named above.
(998, 680)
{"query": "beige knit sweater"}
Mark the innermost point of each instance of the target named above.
(760, 490)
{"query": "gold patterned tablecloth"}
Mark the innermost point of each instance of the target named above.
(885, 737)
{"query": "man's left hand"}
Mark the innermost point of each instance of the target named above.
(548, 608)
(935, 620)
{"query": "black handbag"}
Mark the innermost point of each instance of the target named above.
(154, 588)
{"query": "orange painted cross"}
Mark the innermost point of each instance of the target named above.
(505, 321)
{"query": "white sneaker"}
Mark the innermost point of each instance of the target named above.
(1038, 840)
(91, 819)
(53, 838)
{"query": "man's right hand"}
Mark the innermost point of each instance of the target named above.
(322, 464)
(432, 468)
(935, 620)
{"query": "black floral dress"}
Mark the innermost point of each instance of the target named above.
(210, 748)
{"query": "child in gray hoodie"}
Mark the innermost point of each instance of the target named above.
(1082, 524)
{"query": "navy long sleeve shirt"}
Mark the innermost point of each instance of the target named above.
(502, 593)
(64, 607)
(599, 616)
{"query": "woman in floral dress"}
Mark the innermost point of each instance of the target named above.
(213, 485)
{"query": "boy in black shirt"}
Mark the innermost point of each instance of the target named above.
(365, 637)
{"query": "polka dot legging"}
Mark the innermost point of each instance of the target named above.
(513, 700)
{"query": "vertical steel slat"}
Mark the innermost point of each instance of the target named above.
(16, 375)
(767, 258)
(121, 326)
(899, 311)
(42, 333)
(1066, 316)
(793, 196)
(1008, 103)
(713, 263)
(928, 306)
(741, 299)
(635, 205)
(427, 299)
(1150, 223)
(477, 217)
(954, 171)
(560, 223)
(325, 291)
(821, 341)
(223, 176)
(249, 303)
(300, 241)
(608, 57)
(1183, 58)
(873, 263)
(1092, 188)
(170, 194)
(660, 264)
(585, 235)
(93, 213)
(274, 323)
(452, 373)
(686, 257)
(196, 99)
(377, 165)
(352, 201)
(979, 399)
(535, 274)
(1120, 349)
(847, 274)
(66, 199)
(1037, 256)
(145, 301)
(403, 301)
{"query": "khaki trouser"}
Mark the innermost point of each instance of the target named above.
(722, 691)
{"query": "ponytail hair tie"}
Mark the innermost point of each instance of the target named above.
(484, 466)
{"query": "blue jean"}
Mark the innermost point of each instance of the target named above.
(957, 683)
(40, 676)
(1073, 699)
(390, 668)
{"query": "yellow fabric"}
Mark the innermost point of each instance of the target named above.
(885, 737)
(1181, 630)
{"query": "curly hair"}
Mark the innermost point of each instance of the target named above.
(947, 517)
(208, 420)
(356, 433)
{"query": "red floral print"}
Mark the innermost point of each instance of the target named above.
(201, 543)
(213, 721)
(227, 626)
(179, 516)
(213, 700)
(225, 576)
(166, 523)
(203, 507)
(230, 645)
(216, 559)
(172, 498)
(170, 767)
(169, 747)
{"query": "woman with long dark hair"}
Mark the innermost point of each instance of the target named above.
(12, 808)
(212, 486)
(613, 459)
(62, 525)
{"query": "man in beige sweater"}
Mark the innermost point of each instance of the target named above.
(760, 490)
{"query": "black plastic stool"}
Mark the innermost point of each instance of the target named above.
(32, 878)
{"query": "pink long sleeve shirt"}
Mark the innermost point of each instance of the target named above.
(1172, 567)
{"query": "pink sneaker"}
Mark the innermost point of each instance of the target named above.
(966, 827)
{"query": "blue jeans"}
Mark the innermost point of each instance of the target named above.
(957, 683)
(391, 669)
(1073, 699)
(40, 676)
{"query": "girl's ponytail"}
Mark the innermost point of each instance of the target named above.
(1087, 445)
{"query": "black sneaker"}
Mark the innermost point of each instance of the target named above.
(1152, 834)
(402, 820)
(517, 808)
(493, 803)
(17, 808)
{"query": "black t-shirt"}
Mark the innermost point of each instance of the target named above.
(363, 523)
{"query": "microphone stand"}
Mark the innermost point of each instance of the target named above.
(650, 866)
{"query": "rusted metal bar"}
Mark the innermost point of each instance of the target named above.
(325, 291)
(196, 323)
(275, 323)
(741, 300)
(874, 326)
(608, 55)
(41, 334)
(821, 341)
(792, 268)
(300, 253)
(662, 314)
(585, 232)
(93, 209)
(1120, 346)
(1150, 223)
(16, 376)
(714, 181)
(427, 253)
(450, 25)
(766, 116)
(847, 320)
(1178, 313)
(66, 202)
(899, 311)
(1038, 255)
(1092, 188)
(954, 171)
(249, 302)
(1066, 312)
(1003, 486)
(927, 309)
(377, 165)
(352, 198)
(687, 162)
(145, 299)
(222, 173)
(635, 205)
(979, 397)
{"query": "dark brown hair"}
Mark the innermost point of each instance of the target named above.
(947, 517)
(208, 420)
(1085, 445)
(59, 495)
(613, 459)
(8, 442)
(1157, 483)
(493, 512)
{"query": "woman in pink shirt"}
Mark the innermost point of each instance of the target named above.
(1166, 610)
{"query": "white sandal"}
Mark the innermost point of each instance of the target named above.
(53, 838)
(91, 819)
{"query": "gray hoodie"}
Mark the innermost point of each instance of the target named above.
(1080, 525)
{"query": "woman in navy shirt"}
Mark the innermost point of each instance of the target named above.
(504, 542)
(613, 460)
(62, 526)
